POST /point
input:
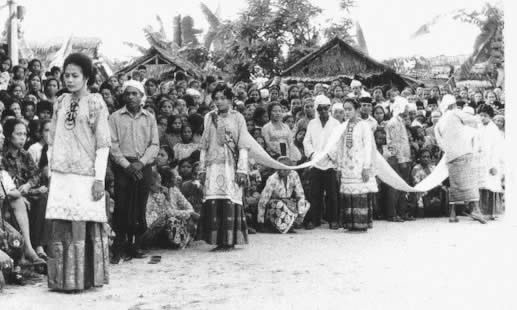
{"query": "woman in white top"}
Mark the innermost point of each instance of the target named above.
(491, 160)
(277, 135)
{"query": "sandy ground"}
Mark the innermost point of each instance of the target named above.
(427, 264)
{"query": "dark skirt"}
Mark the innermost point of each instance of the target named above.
(37, 220)
(222, 223)
(78, 257)
(356, 211)
(130, 202)
(490, 202)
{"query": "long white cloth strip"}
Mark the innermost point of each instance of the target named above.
(382, 167)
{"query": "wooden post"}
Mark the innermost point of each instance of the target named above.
(12, 34)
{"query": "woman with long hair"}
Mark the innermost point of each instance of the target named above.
(35, 87)
(79, 147)
(173, 133)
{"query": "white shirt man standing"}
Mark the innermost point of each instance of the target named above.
(323, 174)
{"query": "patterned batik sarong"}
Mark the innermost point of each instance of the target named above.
(78, 256)
(463, 179)
(283, 213)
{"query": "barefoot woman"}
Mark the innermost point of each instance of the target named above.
(79, 147)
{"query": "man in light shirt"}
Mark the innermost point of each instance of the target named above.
(323, 174)
(134, 147)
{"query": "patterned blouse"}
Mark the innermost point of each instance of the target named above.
(355, 152)
(88, 132)
(184, 150)
(273, 137)
(167, 203)
(398, 139)
(21, 167)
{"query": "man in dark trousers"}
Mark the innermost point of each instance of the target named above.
(135, 144)
(323, 174)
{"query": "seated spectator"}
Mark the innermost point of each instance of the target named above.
(26, 176)
(170, 217)
(185, 169)
(11, 241)
(187, 146)
(196, 122)
(298, 142)
(289, 121)
(162, 122)
(193, 189)
(260, 116)
(379, 114)
(29, 111)
(34, 133)
(282, 201)
(40, 146)
(173, 133)
(44, 110)
(431, 203)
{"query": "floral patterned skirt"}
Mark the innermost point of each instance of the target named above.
(170, 231)
(283, 213)
(78, 256)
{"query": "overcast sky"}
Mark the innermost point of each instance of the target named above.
(386, 27)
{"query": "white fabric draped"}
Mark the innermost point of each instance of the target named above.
(381, 166)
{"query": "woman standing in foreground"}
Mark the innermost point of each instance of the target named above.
(79, 146)
(355, 151)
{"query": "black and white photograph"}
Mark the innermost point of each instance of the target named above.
(257, 154)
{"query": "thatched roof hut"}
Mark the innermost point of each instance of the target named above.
(159, 61)
(45, 50)
(338, 60)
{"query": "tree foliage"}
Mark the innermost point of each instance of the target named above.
(265, 28)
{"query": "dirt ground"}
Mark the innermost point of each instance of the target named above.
(426, 264)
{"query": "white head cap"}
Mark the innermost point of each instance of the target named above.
(337, 106)
(468, 109)
(355, 83)
(446, 102)
(192, 92)
(264, 93)
(137, 85)
(321, 100)
(412, 106)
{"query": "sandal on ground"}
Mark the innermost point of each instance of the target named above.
(454, 220)
(155, 259)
